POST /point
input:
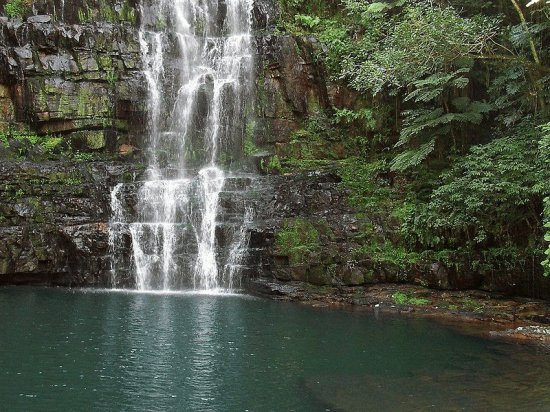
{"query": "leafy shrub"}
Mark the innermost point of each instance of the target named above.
(307, 21)
(17, 8)
(487, 202)
(83, 156)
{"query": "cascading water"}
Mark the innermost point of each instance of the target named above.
(197, 63)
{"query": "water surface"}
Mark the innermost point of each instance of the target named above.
(84, 350)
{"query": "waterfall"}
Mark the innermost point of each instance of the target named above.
(197, 62)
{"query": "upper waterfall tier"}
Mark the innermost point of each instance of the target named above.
(197, 61)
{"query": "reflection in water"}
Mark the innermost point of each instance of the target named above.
(125, 351)
(203, 354)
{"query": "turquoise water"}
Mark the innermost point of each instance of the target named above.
(78, 350)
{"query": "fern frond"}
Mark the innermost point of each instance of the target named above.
(412, 157)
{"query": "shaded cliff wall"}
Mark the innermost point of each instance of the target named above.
(76, 75)
(71, 99)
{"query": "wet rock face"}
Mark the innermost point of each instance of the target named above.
(290, 86)
(305, 230)
(69, 70)
(72, 68)
(78, 76)
(53, 221)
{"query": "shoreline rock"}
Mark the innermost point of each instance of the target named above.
(474, 312)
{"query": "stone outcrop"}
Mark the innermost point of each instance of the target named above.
(312, 211)
(290, 86)
(71, 91)
(75, 72)
(53, 221)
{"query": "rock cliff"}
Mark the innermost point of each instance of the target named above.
(72, 119)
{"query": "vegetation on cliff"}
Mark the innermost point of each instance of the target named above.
(449, 133)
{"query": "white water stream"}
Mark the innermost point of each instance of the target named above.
(197, 62)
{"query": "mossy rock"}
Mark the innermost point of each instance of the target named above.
(88, 140)
(319, 275)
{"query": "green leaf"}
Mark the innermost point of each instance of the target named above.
(412, 157)
(376, 8)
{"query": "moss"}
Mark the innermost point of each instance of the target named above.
(401, 298)
(472, 305)
(93, 106)
(17, 8)
(128, 13)
(19, 144)
(325, 230)
(111, 76)
(296, 239)
(107, 13)
(51, 144)
(95, 140)
(249, 147)
(67, 179)
(65, 106)
(387, 253)
(19, 193)
(85, 15)
(128, 177)
(38, 210)
(105, 62)
(42, 101)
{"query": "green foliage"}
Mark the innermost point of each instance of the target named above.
(297, 238)
(363, 116)
(274, 165)
(368, 191)
(425, 124)
(387, 254)
(544, 150)
(85, 15)
(51, 144)
(307, 21)
(412, 157)
(339, 45)
(419, 301)
(401, 298)
(472, 305)
(83, 156)
(249, 148)
(488, 197)
(111, 76)
(457, 91)
(23, 144)
(422, 39)
(16, 8)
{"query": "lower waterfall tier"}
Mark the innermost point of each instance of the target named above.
(180, 234)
